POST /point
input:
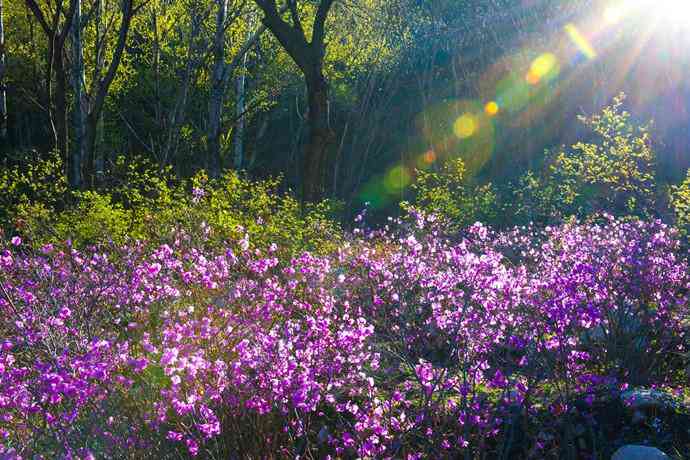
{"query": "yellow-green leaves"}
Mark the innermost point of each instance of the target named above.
(614, 172)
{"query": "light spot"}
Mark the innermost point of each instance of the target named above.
(426, 159)
(543, 67)
(580, 41)
(465, 126)
(491, 108)
(397, 178)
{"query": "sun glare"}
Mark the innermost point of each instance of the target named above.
(677, 8)
(666, 11)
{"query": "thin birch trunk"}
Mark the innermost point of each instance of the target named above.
(215, 106)
(101, 87)
(100, 59)
(222, 72)
(3, 94)
(78, 106)
(177, 116)
(241, 87)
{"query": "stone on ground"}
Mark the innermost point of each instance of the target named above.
(633, 452)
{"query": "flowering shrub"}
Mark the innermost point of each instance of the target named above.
(402, 344)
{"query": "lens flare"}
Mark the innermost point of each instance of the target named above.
(465, 126)
(455, 129)
(512, 93)
(426, 159)
(375, 193)
(545, 67)
(491, 109)
(580, 41)
(397, 179)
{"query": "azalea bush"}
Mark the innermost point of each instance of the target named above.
(401, 344)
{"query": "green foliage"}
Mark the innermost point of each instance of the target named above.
(233, 206)
(613, 173)
(680, 205)
(33, 180)
(450, 195)
(142, 188)
(95, 218)
(535, 199)
(143, 203)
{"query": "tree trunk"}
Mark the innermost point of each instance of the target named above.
(56, 35)
(222, 73)
(101, 87)
(60, 114)
(99, 152)
(100, 60)
(78, 106)
(215, 105)
(308, 55)
(177, 115)
(90, 133)
(241, 88)
(3, 94)
(320, 137)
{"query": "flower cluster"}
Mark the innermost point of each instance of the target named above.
(403, 344)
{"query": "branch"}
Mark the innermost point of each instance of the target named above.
(317, 36)
(251, 40)
(36, 10)
(134, 133)
(128, 13)
(289, 37)
(68, 24)
(297, 24)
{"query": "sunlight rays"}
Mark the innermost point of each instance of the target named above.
(614, 43)
(676, 12)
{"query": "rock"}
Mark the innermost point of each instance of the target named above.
(642, 399)
(633, 452)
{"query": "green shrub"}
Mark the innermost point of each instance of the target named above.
(680, 204)
(141, 202)
(35, 179)
(451, 195)
(233, 206)
(614, 173)
(93, 219)
(536, 200)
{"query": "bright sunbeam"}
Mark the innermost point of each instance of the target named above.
(665, 11)
(674, 10)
